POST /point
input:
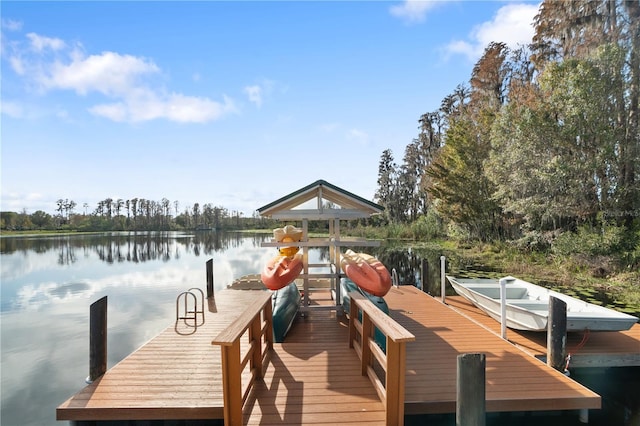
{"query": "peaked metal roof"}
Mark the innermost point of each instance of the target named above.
(352, 206)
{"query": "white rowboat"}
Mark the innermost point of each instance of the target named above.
(527, 306)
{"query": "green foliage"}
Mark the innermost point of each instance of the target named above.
(457, 232)
(591, 241)
(460, 184)
(427, 227)
(534, 241)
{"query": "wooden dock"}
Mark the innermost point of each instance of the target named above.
(314, 377)
(515, 381)
(587, 349)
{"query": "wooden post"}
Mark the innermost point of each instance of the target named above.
(557, 333)
(367, 332)
(232, 387)
(268, 319)
(209, 278)
(424, 274)
(394, 382)
(470, 390)
(443, 280)
(97, 339)
(255, 337)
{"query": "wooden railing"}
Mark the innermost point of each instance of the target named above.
(363, 319)
(257, 319)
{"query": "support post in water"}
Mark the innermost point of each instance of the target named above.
(424, 274)
(209, 278)
(557, 334)
(470, 390)
(97, 339)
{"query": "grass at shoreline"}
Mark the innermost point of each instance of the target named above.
(564, 274)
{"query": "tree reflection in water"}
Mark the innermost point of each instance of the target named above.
(118, 247)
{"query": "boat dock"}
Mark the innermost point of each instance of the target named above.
(587, 349)
(314, 377)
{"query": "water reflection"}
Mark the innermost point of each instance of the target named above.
(49, 282)
(129, 246)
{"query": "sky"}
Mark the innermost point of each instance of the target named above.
(233, 103)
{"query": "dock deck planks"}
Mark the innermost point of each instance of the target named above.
(317, 377)
(515, 381)
(587, 349)
(173, 376)
(313, 377)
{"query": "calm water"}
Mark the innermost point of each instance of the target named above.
(48, 283)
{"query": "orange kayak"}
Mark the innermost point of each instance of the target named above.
(281, 270)
(367, 272)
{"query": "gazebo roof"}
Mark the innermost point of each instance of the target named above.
(348, 205)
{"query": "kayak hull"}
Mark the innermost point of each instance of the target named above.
(280, 271)
(367, 272)
(285, 304)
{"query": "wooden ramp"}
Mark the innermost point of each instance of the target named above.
(515, 380)
(587, 349)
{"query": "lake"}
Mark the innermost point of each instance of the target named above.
(48, 283)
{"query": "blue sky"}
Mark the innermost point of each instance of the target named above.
(230, 103)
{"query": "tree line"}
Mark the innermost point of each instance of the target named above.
(542, 140)
(131, 215)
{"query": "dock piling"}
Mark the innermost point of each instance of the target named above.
(557, 334)
(209, 278)
(470, 390)
(97, 339)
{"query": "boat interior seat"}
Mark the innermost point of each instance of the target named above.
(532, 305)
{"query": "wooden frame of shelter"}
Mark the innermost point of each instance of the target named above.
(294, 207)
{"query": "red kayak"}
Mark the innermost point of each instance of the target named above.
(281, 270)
(367, 272)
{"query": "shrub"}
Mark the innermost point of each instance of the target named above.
(591, 241)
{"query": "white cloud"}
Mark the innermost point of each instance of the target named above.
(258, 92)
(16, 202)
(51, 64)
(17, 65)
(412, 11)
(108, 73)
(255, 94)
(12, 109)
(11, 25)
(512, 24)
(146, 106)
(40, 43)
